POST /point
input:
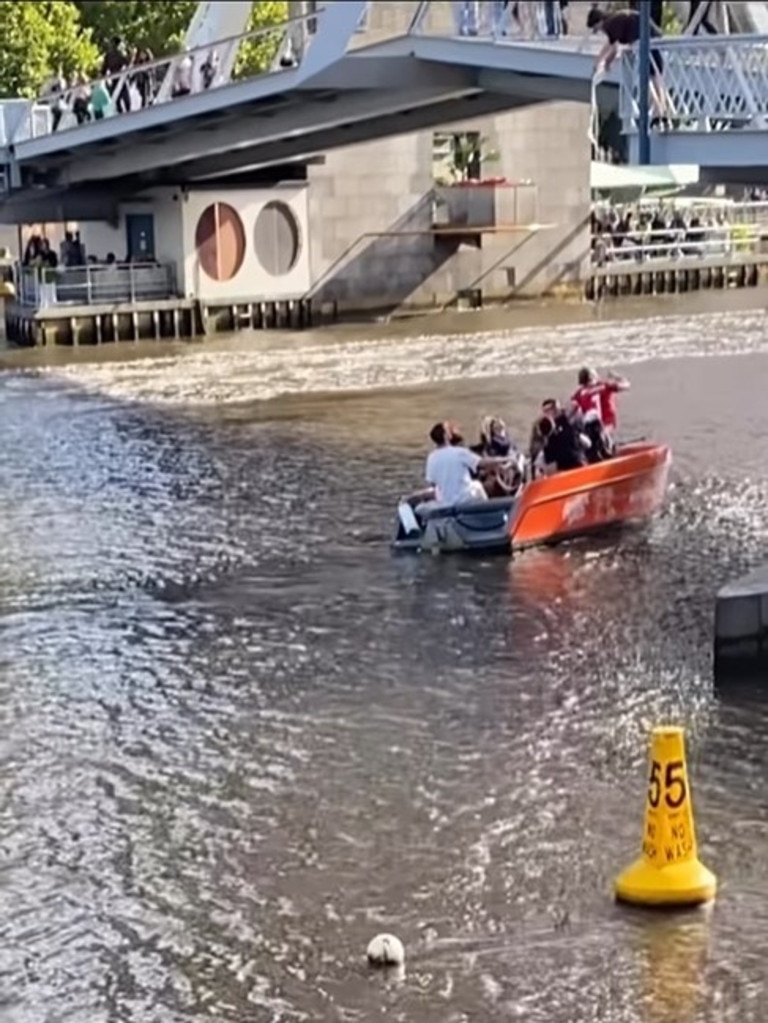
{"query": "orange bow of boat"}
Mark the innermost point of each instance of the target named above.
(629, 487)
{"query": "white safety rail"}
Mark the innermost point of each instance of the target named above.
(209, 66)
(41, 288)
(220, 20)
(725, 210)
(696, 243)
(708, 83)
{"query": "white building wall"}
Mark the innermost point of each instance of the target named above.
(177, 213)
(101, 238)
(252, 282)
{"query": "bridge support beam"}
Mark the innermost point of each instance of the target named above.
(644, 73)
(302, 114)
(324, 141)
(54, 207)
(533, 88)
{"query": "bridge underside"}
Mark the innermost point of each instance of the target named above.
(736, 156)
(359, 99)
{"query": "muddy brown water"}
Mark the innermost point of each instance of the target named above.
(238, 737)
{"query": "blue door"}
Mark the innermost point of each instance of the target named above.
(140, 237)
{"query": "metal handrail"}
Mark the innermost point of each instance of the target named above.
(711, 83)
(94, 284)
(732, 210)
(120, 84)
(535, 8)
(663, 232)
(649, 250)
(699, 42)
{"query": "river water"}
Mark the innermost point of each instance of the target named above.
(238, 737)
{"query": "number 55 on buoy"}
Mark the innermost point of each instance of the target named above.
(669, 872)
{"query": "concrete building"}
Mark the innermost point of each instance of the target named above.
(379, 226)
(371, 227)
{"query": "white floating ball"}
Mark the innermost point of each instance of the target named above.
(385, 950)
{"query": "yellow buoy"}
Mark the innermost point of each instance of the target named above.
(669, 872)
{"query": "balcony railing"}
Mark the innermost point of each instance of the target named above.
(113, 284)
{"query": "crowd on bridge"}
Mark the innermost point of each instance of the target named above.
(131, 79)
(549, 18)
(504, 18)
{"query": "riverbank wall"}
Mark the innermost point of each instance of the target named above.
(741, 626)
(132, 318)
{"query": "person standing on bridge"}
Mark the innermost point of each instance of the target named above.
(622, 30)
(112, 69)
(697, 21)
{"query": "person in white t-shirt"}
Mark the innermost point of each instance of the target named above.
(449, 470)
(182, 76)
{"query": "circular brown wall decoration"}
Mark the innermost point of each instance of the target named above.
(220, 241)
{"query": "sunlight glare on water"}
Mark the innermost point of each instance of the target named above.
(238, 737)
(227, 373)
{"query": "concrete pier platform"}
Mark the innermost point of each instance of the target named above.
(741, 623)
(157, 319)
(676, 276)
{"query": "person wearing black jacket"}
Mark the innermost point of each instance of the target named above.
(560, 442)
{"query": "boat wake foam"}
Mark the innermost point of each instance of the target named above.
(243, 370)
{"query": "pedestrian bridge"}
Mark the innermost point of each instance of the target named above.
(715, 100)
(334, 82)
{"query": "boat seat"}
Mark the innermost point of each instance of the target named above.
(447, 511)
(475, 515)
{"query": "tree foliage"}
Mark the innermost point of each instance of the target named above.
(672, 25)
(38, 38)
(160, 25)
(258, 53)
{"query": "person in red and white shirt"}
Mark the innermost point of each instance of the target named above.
(597, 398)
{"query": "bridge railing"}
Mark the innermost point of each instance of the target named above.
(704, 83)
(110, 284)
(491, 20)
(65, 106)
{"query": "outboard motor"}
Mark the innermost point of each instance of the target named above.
(408, 520)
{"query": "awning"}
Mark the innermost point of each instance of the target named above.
(609, 177)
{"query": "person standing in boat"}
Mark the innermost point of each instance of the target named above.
(598, 396)
(609, 388)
